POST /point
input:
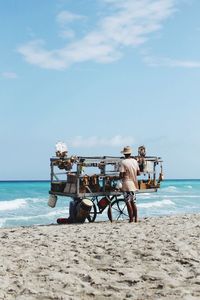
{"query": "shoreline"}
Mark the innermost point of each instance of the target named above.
(156, 258)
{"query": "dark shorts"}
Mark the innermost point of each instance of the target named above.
(130, 196)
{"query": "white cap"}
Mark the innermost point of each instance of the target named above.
(119, 185)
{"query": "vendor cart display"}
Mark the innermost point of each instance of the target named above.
(97, 178)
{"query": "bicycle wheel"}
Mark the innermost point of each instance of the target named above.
(119, 211)
(93, 213)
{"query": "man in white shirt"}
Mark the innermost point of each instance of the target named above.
(129, 170)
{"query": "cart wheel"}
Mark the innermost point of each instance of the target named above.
(119, 211)
(93, 214)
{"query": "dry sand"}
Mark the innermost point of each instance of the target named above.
(157, 258)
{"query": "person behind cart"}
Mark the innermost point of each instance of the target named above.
(79, 210)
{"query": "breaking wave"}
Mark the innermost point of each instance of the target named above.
(14, 204)
(162, 203)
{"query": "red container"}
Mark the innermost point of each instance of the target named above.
(103, 202)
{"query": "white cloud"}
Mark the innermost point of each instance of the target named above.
(96, 141)
(9, 75)
(67, 34)
(65, 17)
(169, 62)
(128, 23)
(65, 20)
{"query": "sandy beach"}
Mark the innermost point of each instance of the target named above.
(157, 258)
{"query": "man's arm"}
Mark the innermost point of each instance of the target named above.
(121, 175)
(121, 170)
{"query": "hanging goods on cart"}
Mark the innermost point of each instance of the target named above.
(96, 178)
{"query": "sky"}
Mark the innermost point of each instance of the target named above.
(99, 75)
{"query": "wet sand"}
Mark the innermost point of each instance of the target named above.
(157, 258)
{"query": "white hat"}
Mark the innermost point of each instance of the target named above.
(127, 150)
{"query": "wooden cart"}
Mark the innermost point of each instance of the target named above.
(97, 178)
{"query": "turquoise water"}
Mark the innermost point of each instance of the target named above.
(25, 203)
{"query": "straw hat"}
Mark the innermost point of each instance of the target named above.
(127, 150)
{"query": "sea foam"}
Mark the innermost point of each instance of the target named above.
(14, 204)
(161, 203)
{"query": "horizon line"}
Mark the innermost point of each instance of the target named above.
(48, 180)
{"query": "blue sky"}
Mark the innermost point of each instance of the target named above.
(99, 75)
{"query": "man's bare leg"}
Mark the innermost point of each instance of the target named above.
(130, 211)
(134, 209)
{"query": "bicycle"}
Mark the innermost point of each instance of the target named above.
(117, 209)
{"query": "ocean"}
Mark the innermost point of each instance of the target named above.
(24, 203)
